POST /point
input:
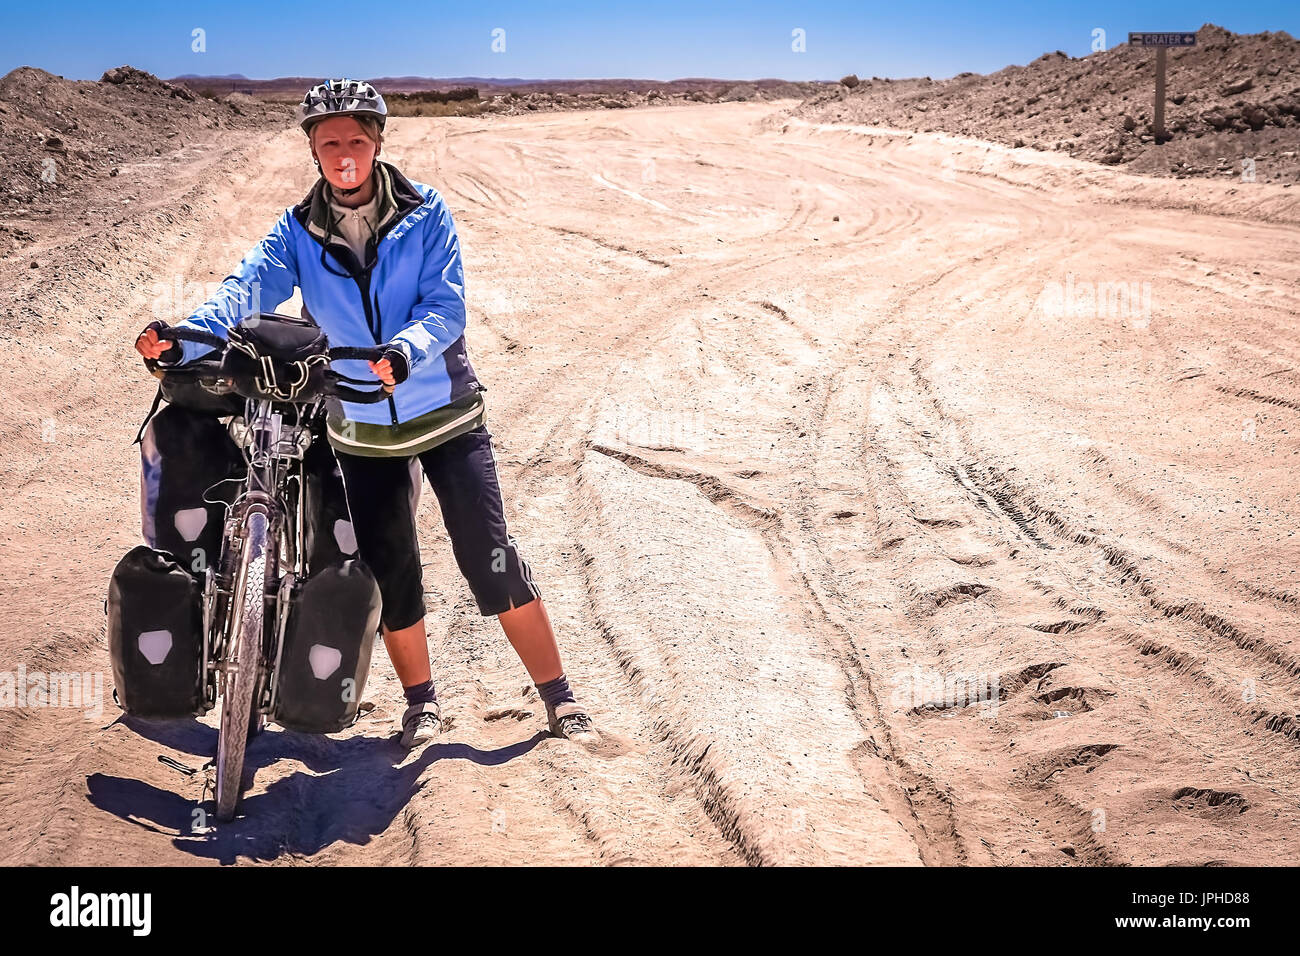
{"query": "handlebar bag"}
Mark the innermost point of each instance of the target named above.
(277, 356)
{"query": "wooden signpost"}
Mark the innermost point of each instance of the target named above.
(1162, 42)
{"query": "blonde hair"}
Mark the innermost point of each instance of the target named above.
(369, 126)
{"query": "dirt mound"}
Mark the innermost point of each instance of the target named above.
(1230, 97)
(58, 137)
(740, 93)
(243, 104)
(130, 76)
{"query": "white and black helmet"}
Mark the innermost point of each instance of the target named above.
(342, 97)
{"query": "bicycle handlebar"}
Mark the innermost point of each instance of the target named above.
(181, 334)
(202, 371)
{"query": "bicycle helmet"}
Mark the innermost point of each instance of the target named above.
(341, 97)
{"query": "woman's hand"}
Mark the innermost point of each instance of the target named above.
(149, 344)
(392, 367)
(384, 371)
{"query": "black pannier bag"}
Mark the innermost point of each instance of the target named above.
(325, 656)
(328, 536)
(276, 356)
(190, 472)
(155, 635)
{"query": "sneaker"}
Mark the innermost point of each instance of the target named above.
(572, 722)
(421, 723)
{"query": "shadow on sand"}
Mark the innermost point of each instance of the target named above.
(355, 789)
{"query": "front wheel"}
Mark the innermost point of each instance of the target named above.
(243, 663)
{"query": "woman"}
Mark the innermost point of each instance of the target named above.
(377, 259)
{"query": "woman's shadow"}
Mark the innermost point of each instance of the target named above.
(357, 786)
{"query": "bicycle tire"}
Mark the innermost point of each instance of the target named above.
(249, 607)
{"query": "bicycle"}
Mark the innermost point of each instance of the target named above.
(247, 598)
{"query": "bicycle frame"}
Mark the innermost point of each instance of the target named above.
(274, 437)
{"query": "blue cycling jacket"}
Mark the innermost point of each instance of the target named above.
(410, 292)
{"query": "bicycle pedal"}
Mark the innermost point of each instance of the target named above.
(176, 765)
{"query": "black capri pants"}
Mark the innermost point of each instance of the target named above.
(383, 495)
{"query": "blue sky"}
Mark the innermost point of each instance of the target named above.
(664, 39)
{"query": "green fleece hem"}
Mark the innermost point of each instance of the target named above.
(407, 438)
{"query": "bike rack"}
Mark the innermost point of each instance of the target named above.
(209, 669)
(285, 597)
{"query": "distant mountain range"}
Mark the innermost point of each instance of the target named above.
(200, 76)
(486, 85)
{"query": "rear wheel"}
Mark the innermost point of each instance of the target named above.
(243, 663)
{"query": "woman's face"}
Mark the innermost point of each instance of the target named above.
(346, 154)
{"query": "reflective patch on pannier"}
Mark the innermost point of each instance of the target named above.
(324, 660)
(190, 521)
(345, 536)
(155, 646)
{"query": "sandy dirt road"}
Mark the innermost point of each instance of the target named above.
(869, 539)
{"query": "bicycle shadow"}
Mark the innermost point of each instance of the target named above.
(356, 788)
(191, 736)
